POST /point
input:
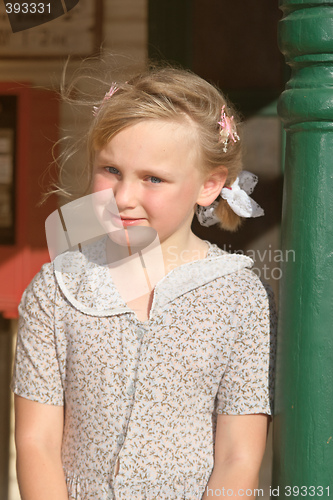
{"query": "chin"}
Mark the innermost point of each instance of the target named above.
(138, 237)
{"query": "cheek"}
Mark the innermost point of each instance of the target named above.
(170, 203)
(154, 202)
(100, 183)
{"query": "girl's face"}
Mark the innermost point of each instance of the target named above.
(153, 170)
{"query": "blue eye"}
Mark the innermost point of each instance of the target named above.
(155, 180)
(112, 170)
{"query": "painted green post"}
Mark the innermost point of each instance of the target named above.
(303, 425)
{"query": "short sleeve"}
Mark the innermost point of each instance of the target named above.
(36, 374)
(247, 385)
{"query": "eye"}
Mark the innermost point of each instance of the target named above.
(155, 180)
(112, 170)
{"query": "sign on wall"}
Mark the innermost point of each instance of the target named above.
(77, 33)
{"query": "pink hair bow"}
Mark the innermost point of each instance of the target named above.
(109, 93)
(227, 129)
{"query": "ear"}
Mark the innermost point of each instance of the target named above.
(212, 185)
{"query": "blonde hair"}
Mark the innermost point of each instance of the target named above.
(169, 94)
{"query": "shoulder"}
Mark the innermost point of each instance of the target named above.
(43, 283)
(237, 269)
(254, 293)
(256, 306)
(255, 298)
(244, 277)
(43, 288)
(249, 283)
(38, 299)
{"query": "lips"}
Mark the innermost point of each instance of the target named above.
(130, 218)
(123, 221)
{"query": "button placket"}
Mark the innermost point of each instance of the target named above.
(135, 349)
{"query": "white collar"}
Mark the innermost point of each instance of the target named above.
(86, 282)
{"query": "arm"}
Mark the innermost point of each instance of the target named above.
(38, 437)
(239, 448)
(245, 395)
(39, 393)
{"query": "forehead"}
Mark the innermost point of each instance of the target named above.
(155, 138)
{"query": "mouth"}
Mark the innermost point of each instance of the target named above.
(122, 217)
(123, 221)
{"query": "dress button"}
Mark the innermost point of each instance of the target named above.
(120, 439)
(140, 332)
(131, 389)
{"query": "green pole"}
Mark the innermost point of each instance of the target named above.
(303, 423)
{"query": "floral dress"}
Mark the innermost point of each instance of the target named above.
(145, 396)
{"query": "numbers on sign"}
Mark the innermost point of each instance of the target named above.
(28, 8)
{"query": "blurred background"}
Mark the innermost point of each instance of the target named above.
(232, 44)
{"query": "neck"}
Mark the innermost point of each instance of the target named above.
(179, 251)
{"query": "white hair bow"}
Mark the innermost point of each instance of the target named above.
(237, 197)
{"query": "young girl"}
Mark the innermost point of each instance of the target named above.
(159, 394)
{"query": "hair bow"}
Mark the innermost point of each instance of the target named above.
(227, 129)
(237, 197)
(107, 96)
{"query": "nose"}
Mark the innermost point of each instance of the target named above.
(125, 195)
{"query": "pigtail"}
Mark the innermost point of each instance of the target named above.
(228, 220)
